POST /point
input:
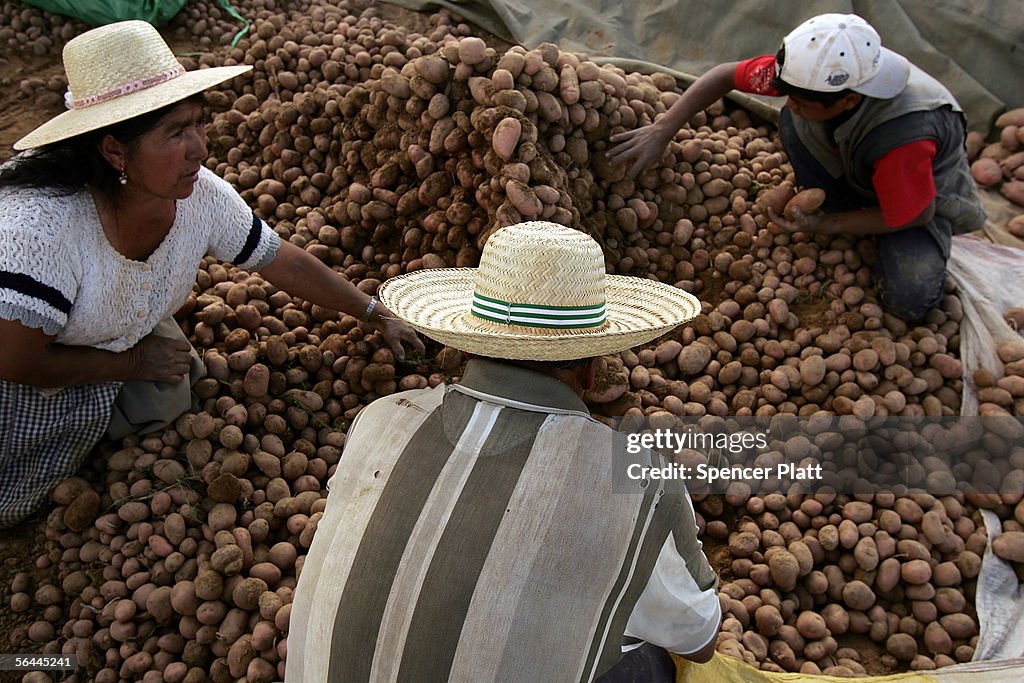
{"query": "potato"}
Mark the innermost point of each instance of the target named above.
(1013, 117)
(828, 536)
(804, 557)
(775, 198)
(257, 381)
(283, 555)
(987, 172)
(937, 640)
(812, 626)
(158, 604)
(768, 620)
(184, 600)
(808, 201)
(227, 560)
(1014, 191)
(908, 510)
(471, 50)
(820, 649)
(959, 626)
(1015, 226)
(1009, 545)
(240, 654)
(901, 646)
(916, 572)
(783, 655)
(866, 553)
(81, 512)
(836, 619)
(133, 511)
(222, 516)
(784, 569)
(858, 595)
(950, 600)
(506, 137)
(246, 593)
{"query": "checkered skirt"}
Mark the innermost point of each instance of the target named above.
(44, 437)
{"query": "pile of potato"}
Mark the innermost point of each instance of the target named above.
(208, 23)
(1000, 164)
(383, 150)
(42, 32)
(416, 166)
(809, 569)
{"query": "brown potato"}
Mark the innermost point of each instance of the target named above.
(808, 201)
(987, 172)
(784, 569)
(1014, 191)
(1013, 117)
(775, 199)
(1009, 545)
(858, 595)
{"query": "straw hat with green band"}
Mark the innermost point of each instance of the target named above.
(117, 72)
(540, 293)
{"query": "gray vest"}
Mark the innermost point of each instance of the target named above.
(924, 110)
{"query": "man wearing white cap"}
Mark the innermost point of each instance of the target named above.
(884, 140)
(484, 531)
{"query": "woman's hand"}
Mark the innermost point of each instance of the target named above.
(159, 359)
(301, 274)
(397, 333)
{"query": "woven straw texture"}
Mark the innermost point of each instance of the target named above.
(124, 56)
(92, 67)
(567, 271)
(545, 264)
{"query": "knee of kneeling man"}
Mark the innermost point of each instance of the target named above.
(911, 305)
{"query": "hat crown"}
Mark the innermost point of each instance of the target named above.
(542, 264)
(115, 55)
(832, 52)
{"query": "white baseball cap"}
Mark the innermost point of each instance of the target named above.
(833, 52)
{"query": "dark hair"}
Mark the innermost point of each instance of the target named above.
(547, 366)
(826, 99)
(66, 166)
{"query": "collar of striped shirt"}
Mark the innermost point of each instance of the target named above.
(516, 383)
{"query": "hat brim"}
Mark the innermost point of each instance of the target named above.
(436, 302)
(77, 121)
(891, 78)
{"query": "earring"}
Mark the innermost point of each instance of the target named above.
(123, 178)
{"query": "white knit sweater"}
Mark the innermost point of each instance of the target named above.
(59, 273)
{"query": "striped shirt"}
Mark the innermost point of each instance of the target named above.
(471, 534)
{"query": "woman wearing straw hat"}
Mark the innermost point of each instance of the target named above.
(103, 223)
(490, 530)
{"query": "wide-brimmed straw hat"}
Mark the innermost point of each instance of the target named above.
(540, 293)
(116, 72)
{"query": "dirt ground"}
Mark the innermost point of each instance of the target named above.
(19, 114)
